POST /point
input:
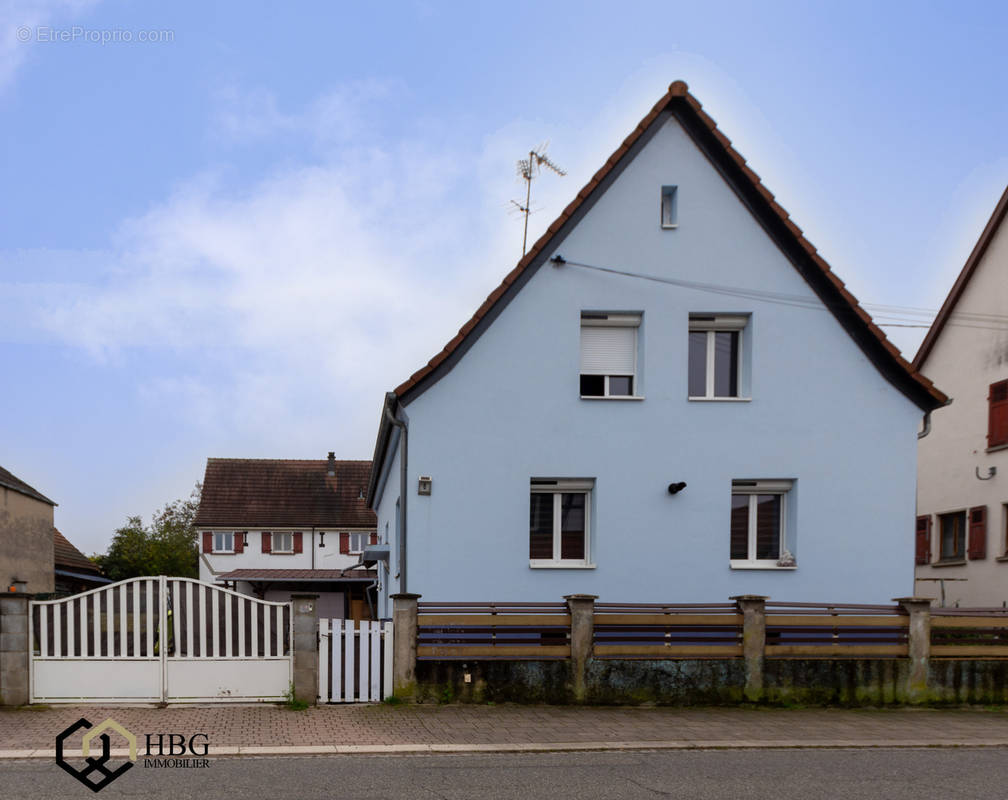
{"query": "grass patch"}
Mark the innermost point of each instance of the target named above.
(291, 703)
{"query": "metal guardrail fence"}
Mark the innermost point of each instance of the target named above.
(511, 631)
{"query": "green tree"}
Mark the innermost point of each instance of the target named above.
(167, 547)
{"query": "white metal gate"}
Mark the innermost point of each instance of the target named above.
(159, 639)
(355, 661)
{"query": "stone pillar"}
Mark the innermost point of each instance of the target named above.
(582, 634)
(14, 649)
(753, 608)
(305, 648)
(404, 644)
(919, 645)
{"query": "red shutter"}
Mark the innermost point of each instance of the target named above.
(374, 538)
(997, 429)
(239, 541)
(978, 532)
(344, 542)
(924, 539)
(266, 542)
(207, 542)
(297, 541)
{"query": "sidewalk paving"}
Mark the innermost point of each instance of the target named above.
(269, 729)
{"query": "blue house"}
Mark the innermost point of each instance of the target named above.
(671, 398)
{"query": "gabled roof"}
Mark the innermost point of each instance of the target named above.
(13, 482)
(264, 493)
(68, 557)
(681, 105)
(1000, 211)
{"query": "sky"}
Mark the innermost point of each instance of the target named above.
(227, 229)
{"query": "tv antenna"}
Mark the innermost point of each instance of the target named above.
(529, 168)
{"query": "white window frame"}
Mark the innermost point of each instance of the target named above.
(222, 534)
(753, 488)
(362, 536)
(711, 324)
(275, 543)
(605, 319)
(557, 488)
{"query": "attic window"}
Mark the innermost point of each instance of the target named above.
(669, 206)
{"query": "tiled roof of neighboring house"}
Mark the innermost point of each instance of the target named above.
(948, 307)
(68, 557)
(295, 574)
(260, 493)
(18, 485)
(704, 132)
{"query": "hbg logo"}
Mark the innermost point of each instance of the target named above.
(96, 774)
(96, 765)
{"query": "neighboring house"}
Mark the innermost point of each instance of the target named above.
(74, 571)
(671, 398)
(962, 485)
(270, 527)
(26, 536)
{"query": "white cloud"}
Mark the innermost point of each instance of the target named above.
(19, 23)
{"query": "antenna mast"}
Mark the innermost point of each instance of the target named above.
(529, 168)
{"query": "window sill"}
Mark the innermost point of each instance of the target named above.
(719, 399)
(957, 562)
(561, 565)
(281, 553)
(222, 552)
(757, 565)
(612, 397)
(996, 448)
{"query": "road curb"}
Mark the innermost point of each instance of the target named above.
(232, 751)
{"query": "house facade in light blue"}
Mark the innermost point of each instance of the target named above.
(670, 399)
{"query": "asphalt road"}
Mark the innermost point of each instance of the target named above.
(893, 774)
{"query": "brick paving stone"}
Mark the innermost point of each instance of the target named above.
(273, 726)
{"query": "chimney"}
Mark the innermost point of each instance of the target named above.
(332, 464)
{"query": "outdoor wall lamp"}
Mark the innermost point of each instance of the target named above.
(17, 586)
(675, 488)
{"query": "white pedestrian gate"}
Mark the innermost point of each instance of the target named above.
(159, 639)
(355, 661)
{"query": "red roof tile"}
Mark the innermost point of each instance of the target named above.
(68, 557)
(263, 493)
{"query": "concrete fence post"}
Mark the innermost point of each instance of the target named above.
(14, 649)
(404, 643)
(582, 634)
(306, 643)
(753, 608)
(919, 645)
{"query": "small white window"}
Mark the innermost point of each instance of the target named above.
(758, 537)
(715, 356)
(223, 542)
(358, 541)
(283, 542)
(559, 522)
(609, 354)
(669, 206)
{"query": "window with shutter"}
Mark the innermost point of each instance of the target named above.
(715, 356)
(559, 517)
(997, 424)
(223, 542)
(952, 536)
(978, 532)
(757, 530)
(923, 540)
(283, 542)
(609, 354)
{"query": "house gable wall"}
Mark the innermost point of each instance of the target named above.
(509, 410)
(966, 358)
(26, 541)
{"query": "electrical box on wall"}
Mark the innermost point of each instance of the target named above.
(424, 485)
